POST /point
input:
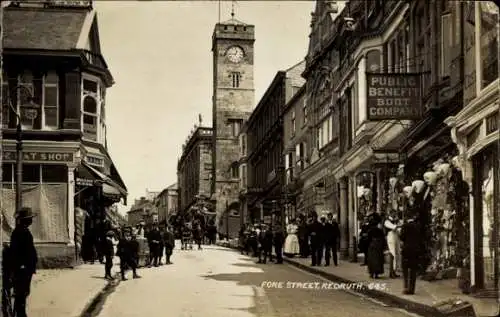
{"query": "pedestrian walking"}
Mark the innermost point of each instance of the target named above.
(376, 247)
(315, 231)
(411, 253)
(109, 253)
(24, 259)
(169, 239)
(278, 240)
(332, 238)
(128, 254)
(292, 246)
(266, 244)
(302, 234)
(393, 227)
(154, 241)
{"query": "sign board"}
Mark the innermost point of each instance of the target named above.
(394, 96)
(94, 160)
(42, 157)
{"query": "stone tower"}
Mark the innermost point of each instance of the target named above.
(232, 104)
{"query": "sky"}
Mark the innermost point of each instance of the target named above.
(159, 53)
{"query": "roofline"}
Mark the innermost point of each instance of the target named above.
(280, 75)
(294, 98)
(85, 29)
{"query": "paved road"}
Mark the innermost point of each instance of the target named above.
(217, 282)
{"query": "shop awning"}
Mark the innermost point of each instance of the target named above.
(110, 188)
(85, 176)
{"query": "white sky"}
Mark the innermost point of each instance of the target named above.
(159, 53)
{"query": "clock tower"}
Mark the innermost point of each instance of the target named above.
(232, 105)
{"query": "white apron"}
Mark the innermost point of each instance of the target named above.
(292, 241)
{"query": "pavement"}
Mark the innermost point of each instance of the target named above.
(65, 292)
(427, 295)
(218, 282)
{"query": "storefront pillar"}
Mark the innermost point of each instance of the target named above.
(344, 218)
(352, 194)
(71, 205)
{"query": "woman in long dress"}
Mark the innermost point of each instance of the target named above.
(376, 246)
(292, 241)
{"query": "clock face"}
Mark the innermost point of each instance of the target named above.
(235, 54)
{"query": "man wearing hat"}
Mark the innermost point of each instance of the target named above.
(109, 253)
(24, 259)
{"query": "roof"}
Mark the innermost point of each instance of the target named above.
(233, 21)
(42, 28)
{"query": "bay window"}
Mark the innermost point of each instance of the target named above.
(93, 109)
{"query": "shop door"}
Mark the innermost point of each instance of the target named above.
(486, 216)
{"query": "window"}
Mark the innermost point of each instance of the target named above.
(36, 174)
(446, 44)
(93, 109)
(235, 170)
(243, 144)
(50, 110)
(300, 155)
(236, 78)
(305, 110)
(5, 101)
(488, 13)
(23, 96)
(289, 167)
(235, 126)
(293, 122)
(243, 174)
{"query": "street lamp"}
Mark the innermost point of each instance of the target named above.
(30, 111)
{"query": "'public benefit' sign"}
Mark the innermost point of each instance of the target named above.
(393, 97)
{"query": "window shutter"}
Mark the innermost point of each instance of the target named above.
(446, 44)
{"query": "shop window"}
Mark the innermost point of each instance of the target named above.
(31, 173)
(54, 174)
(488, 12)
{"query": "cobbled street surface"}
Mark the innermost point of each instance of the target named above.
(216, 282)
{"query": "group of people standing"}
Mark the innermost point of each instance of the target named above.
(316, 237)
(403, 240)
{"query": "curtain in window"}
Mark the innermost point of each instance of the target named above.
(49, 201)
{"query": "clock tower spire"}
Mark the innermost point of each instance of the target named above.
(232, 104)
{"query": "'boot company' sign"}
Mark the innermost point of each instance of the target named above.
(393, 96)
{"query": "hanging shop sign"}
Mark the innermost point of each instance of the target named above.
(35, 156)
(393, 96)
(95, 161)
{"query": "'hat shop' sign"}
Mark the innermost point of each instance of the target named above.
(35, 156)
(393, 96)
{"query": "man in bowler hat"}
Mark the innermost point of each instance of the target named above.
(411, 252)
(24, 259)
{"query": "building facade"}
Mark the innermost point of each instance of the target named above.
(295, 117)
(263, 165)
(57, 61)
(167, 204)
(143, 211)
(233, 101)
(475, 131)
(194, 170)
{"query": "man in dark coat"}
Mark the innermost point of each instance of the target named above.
(109, 253)
(169, 241)
(266, 244)
(332, 237)
(128, 254)
(302, 235)
(24, 259)
(315, 234)
(278, 240)
(410, 252)
(154, 241)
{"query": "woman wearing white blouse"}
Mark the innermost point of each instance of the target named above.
(291, 247)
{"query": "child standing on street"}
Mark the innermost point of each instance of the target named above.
(109, 253)
(169, 241)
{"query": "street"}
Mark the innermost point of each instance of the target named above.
(219, 282)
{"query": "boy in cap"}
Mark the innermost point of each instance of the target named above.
(24, 259)
(126, 254)
(109, 253)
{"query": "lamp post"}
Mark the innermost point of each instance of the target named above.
(30, 112)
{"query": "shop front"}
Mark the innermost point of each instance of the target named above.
(47, 189)
(475, 131)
